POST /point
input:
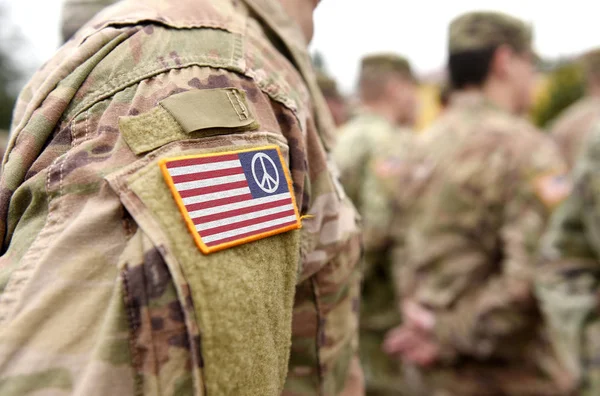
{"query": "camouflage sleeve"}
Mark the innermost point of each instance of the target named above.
(567, 278)
(104, 290)
(496, 217)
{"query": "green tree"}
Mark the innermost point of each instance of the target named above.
(566, 86)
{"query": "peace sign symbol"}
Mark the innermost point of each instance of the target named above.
(269, 182)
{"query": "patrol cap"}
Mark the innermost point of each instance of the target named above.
(482, 30)
(327, 85)
(385, 63)
(76, 13)
(591, 61)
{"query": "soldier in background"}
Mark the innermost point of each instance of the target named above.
(335, 101)
(388, 97)
(571, 128)
(75, 14)
(489, 179)
(568, 282)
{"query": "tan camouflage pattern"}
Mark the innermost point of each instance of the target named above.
(483, 30)
(567, 281)
(386, 63)
(98, 296)
(3, 143)
(571, 128)
(471, 249)
(364, 143)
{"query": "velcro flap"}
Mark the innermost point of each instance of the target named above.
(211, 108)
(189, 115)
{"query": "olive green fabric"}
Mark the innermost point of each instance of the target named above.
(242, 297)
(181, 117)
(229, 107)
(150, 130)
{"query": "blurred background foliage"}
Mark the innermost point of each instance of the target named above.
(11, 77)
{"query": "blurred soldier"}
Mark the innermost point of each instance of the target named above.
(388, 94)
(388, 99)
(471, 324)
(569, 277)
(162, 164)
(571, 128)
(76, 13)
(335, 101)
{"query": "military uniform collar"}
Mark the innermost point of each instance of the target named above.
(474, 99)
(276, 18)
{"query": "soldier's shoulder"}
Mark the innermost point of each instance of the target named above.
(188, 33)
(584, 111)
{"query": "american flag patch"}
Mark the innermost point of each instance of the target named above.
(232, 198)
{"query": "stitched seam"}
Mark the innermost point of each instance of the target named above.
(272, 90)
(87, 125)
(135, 357)
(29, 258)
(123, 80)
(233, 106)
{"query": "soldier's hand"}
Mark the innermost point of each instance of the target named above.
(418, 316)
(412, 344)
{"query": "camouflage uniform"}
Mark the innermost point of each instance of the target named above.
(571, 128)
(368, 145)
(103, 289)
(335, 101)
(76, 13)
(487, 180)
(471, 249)
(568, 280)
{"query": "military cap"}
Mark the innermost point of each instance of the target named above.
(386, 62)
(481, 30)
(76, 13)
(591, 61)
(327, 85)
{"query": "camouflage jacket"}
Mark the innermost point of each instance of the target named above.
(104, 290)
(361, 141)
(363, 145)
(571, 128)
(380, 311)
(568, 278)
(488, 181)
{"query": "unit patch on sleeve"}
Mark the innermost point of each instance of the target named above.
(232, 198)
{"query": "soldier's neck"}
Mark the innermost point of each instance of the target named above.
(383, 110)
(500, 95)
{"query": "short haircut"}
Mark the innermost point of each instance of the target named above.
(376, 71)
(470, 68)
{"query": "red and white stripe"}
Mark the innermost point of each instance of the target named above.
(217, 197)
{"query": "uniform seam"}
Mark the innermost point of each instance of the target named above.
(275, 92)
(135, 357)
(7, 307)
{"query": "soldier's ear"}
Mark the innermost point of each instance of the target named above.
(501, 61)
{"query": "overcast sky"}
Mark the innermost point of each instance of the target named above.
(348, 29)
